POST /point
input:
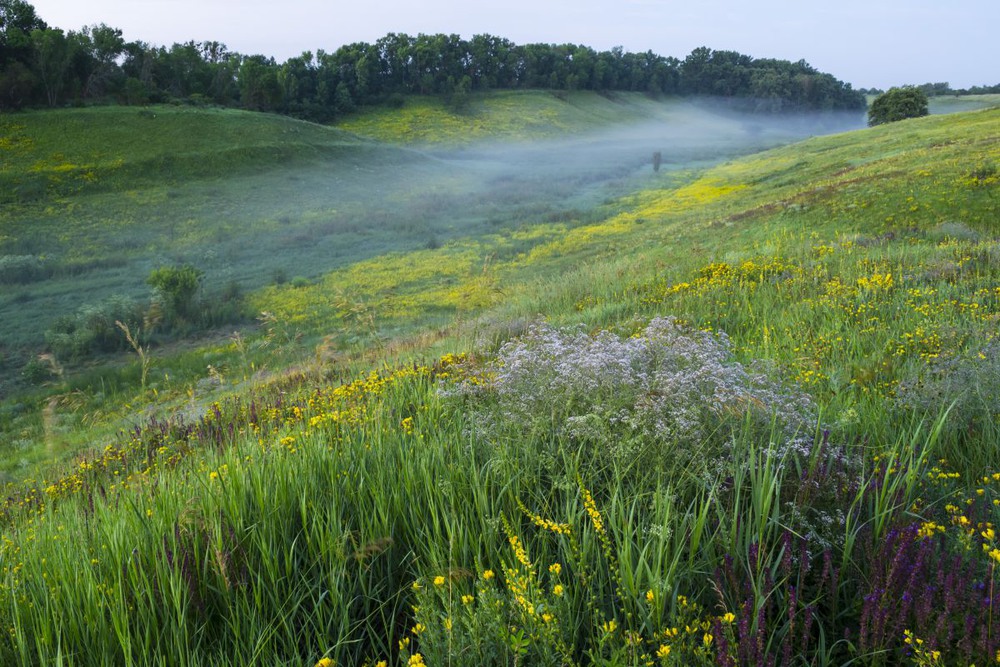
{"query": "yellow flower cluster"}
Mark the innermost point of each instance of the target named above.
(519, 553)
(592, 511)
(543, 523)
(747, 275)
(929, 529)
(876, 282)
(922, 655)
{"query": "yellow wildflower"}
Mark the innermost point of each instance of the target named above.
(558, 590)
(929, 528)
(325, 662)
(439, 580)
(591, 507)
(488, 574)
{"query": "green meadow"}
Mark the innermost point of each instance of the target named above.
(96, 199)
(954, 103)
(522, 403)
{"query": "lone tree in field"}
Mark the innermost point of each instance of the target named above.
(897, 104)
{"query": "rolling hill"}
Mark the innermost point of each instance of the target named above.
(716, 414)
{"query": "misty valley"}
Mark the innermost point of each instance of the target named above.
(249, 227)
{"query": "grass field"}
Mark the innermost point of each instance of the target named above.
(98, 198)
(958, 103)
(741, 413)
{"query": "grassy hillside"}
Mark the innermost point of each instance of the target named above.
(958, 103)
(99, 198)
(532, 115)
(509, 116)
(84, 150)
(744, 413)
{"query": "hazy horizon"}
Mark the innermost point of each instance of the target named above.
(867, 44)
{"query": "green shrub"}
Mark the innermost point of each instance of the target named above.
(21, 269)
(36, 372)
(92, 329)
(224, 307)
(175, 287)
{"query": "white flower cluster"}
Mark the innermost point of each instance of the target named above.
(668, 384)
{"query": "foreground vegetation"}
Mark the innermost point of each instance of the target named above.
(746, 415)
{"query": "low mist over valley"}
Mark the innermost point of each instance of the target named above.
(263, 220)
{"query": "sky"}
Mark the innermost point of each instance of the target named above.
(868, 43)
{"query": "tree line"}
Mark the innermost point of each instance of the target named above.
(941, 89)
(47, 66)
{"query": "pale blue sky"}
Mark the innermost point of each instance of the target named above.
(869, 43)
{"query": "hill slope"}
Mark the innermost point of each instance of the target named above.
(535, 115)
(96, 198)
(640, 489)
(85, 150)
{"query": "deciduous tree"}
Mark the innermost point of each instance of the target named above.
(897, 104)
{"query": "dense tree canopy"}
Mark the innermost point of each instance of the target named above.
(897, 104)
(42, 66)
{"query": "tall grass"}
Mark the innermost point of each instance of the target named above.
(369, 521)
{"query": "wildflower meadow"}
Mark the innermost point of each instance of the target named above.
(746, 416)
